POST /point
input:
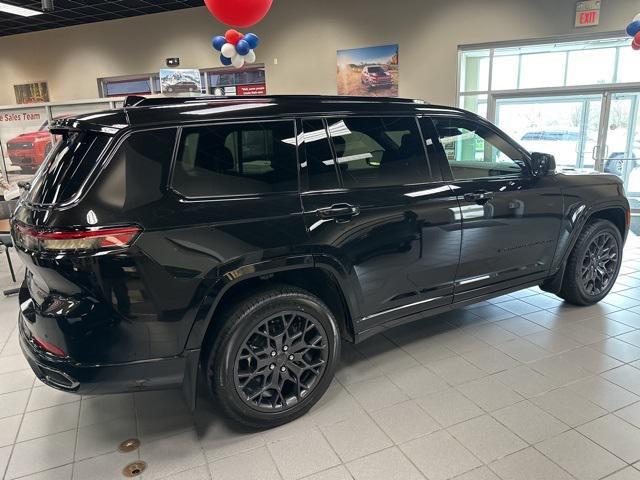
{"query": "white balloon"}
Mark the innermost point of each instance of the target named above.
(228, 50)
(238, 61)
(250, 57)
(636, 18)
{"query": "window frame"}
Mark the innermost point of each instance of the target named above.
(445, 164)
(302, 158)
(431, 168)
(236, 196)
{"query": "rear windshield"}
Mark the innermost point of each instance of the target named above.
(65, 170)
(378, 70)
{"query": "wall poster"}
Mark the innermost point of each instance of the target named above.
(36, 92)
(24, 142)
(369, 71)
(180, 80)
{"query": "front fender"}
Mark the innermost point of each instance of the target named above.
(574, 221)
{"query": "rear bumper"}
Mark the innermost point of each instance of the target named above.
(64, 374)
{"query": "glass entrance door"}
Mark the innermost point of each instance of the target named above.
(565, 126)
(621, 154)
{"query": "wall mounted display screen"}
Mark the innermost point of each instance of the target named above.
(369, 71)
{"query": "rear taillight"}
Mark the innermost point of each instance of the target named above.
(73, 240)
(49, 347)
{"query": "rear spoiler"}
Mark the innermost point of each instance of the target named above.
(133, 100)
(65, 125)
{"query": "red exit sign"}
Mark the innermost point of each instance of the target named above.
(588, 13)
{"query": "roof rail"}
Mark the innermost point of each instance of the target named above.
(139, 101)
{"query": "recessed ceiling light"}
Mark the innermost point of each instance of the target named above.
(23, 12)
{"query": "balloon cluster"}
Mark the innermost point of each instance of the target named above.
(633, 30)
(235, 48)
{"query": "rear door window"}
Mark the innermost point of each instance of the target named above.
(319, 163)
(379, 151)
(237, 159)
(64, 172)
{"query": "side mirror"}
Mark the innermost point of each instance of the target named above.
(542, 164)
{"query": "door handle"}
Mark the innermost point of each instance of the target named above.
(478, 197)
(341, 211)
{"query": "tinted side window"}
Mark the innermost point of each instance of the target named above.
(379, 151)
(474, 151)
(137, 172)
(237, 159)
(319, 164)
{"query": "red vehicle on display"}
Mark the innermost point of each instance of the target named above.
(376, 76)
(29, 150)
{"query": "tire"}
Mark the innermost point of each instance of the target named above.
(583, 289)
(230, 367)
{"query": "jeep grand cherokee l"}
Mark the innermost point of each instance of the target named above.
(376, 76)
(245, 238)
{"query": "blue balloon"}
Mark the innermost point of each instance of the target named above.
(218, 42)
(243, 47)
(633, 28)
(225, 61)
(252, 39)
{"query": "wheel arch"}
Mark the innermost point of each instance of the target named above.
(616, 212)
(319, 278)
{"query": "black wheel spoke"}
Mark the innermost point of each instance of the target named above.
(281, 361)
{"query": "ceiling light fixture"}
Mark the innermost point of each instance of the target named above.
(15, 10)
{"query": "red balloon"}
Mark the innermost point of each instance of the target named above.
(233, 36)
(635, 45)
(636, 38)
(239, 13)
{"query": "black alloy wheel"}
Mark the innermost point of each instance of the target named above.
(599, 264)
(281, 361)
(271, 355)
(594, 263)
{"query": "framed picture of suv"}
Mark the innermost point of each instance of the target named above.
(180, 80)
(369, 71)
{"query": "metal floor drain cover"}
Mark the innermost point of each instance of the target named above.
(129, 445)
(134, 469)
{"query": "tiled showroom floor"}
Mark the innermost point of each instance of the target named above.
(522, 387)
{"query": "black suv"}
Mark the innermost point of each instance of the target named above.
(247, 237)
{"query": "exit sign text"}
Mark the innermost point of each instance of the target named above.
(588, 13)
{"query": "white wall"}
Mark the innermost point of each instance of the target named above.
(302, 34)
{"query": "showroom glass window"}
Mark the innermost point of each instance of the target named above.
(379, 151)
(475, 151)
(492, 70)
(237, 159)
